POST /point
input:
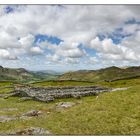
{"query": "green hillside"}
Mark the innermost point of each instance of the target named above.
(22, 75)
(107, 74)
(14, 74)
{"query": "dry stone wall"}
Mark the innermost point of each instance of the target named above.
(51, 93)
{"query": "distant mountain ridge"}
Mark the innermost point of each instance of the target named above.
(14, 74)
(21, 74)
(48, 72)
(106, 74)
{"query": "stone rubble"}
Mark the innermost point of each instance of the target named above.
(49, 94)
(24, 116)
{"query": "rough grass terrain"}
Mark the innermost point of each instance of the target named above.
(61, 83)
(5, 83)
(114, 113)
(5, 86)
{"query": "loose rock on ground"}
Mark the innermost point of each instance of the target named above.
(6, 119)
(65, 104)
(32, 113)
(30, 131)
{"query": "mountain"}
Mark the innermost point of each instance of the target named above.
(24, 75)
(107, 74)
(49, 72)
(14, 74)
(46, 74)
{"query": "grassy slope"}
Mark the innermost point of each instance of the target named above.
(5, 83)
(119, 83)
(61, 83)
(24, 76)
(110, 73)
(115, 113)
(5, 86)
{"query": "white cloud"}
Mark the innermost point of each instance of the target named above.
(105, 46)
(72, 53)
(93, 60)
(71, 22)
(53, 58)
(71, 60)
(4, 54)
(36, 51)
(108, 52)
(74, 24)
(26, 41)
(67, 49)
(8, 41)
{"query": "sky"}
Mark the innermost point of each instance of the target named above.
(69, 37)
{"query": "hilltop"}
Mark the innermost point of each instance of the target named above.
(107, 74)
(14, 74)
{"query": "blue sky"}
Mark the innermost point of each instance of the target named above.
(8, 9)
(69, 37)
(51, 39)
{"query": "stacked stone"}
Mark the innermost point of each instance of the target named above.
(50, 93)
